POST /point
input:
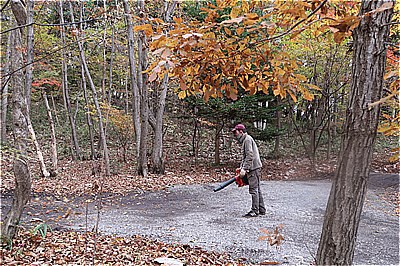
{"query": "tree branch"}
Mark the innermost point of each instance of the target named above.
(4, 6)
(294, 26)
(48, 25)
(391, 23)
(8, 75)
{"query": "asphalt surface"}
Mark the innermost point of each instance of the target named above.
(198, 216)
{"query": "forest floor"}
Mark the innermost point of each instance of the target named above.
(69, 204)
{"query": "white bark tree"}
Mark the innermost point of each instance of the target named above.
(103, 139)
(75, 148)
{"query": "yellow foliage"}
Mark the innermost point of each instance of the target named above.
(147, 28)
(215, 60)
(182, 95)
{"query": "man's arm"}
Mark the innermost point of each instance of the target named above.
(248, 155)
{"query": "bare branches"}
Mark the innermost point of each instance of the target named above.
(4, 6)
(293, 26)
(49, 25)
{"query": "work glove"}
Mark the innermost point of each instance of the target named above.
(242, 172)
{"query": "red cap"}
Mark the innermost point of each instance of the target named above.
(239, 127)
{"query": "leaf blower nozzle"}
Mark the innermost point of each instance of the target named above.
(240, 181)
(225, 184)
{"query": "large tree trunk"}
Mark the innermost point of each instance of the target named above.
(20, 112)
(133, 73)
(347, 195)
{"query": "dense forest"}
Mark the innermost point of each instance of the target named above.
(116, 96)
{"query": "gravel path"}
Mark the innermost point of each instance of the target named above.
(213, 220)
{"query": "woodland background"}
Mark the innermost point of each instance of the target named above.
(102, 115)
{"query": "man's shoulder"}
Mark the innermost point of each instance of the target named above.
(248, 137)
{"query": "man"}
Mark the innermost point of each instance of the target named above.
(250, 167)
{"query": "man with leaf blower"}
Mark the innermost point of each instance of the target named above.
(250, 167)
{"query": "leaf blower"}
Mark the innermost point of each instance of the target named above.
(240, 181)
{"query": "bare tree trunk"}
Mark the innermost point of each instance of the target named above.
(144, 105)
(276, 151)
(54, 158)
(22, 174)
(28, 86)
(157, 154)
(108, 98)
(342, 216)
(76, 151)
(329, 128)
(4, 95)
(53, 104)
(29, 53)
(133, 73)
(217, 143)
(95, 99)
(158, 160)
(89, 121)
(103, 80)
(126, 100)
(88, 116)
(38, 150)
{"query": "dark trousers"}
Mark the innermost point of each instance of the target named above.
(257, 201)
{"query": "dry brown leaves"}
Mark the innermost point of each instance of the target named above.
(67, 248)
(78, 178)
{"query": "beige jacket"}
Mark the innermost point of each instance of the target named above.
(251, 158)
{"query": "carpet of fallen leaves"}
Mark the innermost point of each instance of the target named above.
(67, 248)
(80, 178)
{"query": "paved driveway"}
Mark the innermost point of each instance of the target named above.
(213, 220)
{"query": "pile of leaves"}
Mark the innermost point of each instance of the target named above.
(62, 248)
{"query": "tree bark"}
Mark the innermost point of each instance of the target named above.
(133, 73)
(158, 166)
(88, 116)
(75, 148)
(278, 113)
(342, 217)
(28, 86)
(144, 104)
(22, 191)
(4, 95)
(54, 158)
(89, 121)
(95, 99)
(157, 159)
(20, 13)
(217, 143)
(103, 79)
